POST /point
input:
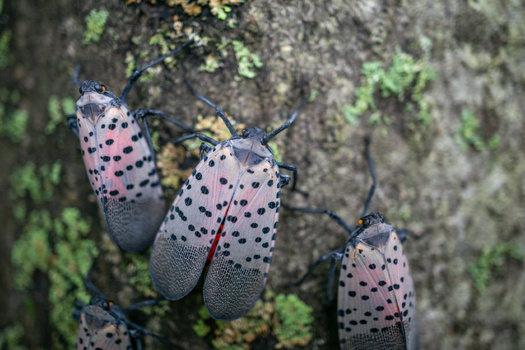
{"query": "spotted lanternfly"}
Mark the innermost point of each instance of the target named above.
(102, 325)
(376, 297)
(376, 306)
(225, 217)
(119, 161)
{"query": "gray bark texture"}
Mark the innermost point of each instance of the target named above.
(460, 191)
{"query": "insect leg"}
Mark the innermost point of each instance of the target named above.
(286, 124)
(143, 113)
(139, 71)
(150, 333)
(195, 136)
(203, 149)
(141, 304)
(331, 276)
(291, 168)
(72, 124)
(76, 312)
(331, 214)
(218, 110)
(285, 180)
(136, 335)
(335, 255)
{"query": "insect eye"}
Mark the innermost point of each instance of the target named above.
(365, 222)
(99, 88)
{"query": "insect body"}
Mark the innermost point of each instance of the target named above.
(120, 163)
(120, 167)
(376, 297)
(103, 325)
(225, 215)
(376, 308)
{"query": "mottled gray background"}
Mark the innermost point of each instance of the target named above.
(458, 200)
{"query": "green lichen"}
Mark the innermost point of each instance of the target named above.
(201, 328)
(406, 79)
(60, 249)
(37, 183)
(469, 134)
(246, 60)
(5, 56)
(95, 23)
(293, 321)
(11, 337)
(34, 239)
(57, 111)
(284, 316)
(13, 125)
(13, 121)
(73, 256)
(55, 245)
(20, 212)
(489, 264)
(313, 95)
(140, 277)
(211, 64)
(276, 153)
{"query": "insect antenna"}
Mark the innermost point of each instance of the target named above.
(285, 125)
(75, 75)
(372, 173)
(139, 71)
(218, 110)
(87, 282)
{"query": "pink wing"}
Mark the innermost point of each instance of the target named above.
(239, 268)
(89, 152)
(97, 329)
(376, 298)
(189, 230)
(123, 175)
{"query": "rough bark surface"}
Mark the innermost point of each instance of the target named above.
(460, 202)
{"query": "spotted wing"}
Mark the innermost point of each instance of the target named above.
(238, 271)
(376, 299)
(128, 188)
(97, 329)
(189, 230)
(88, 148)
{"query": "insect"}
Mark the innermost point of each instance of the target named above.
(376, 306)
(225, 217)
(102, 325)
(119, 161)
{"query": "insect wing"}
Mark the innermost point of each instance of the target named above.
(239, 269)
(376, 299)
(123, 175)
(97, 329)
(92, 161)
(190, 227)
